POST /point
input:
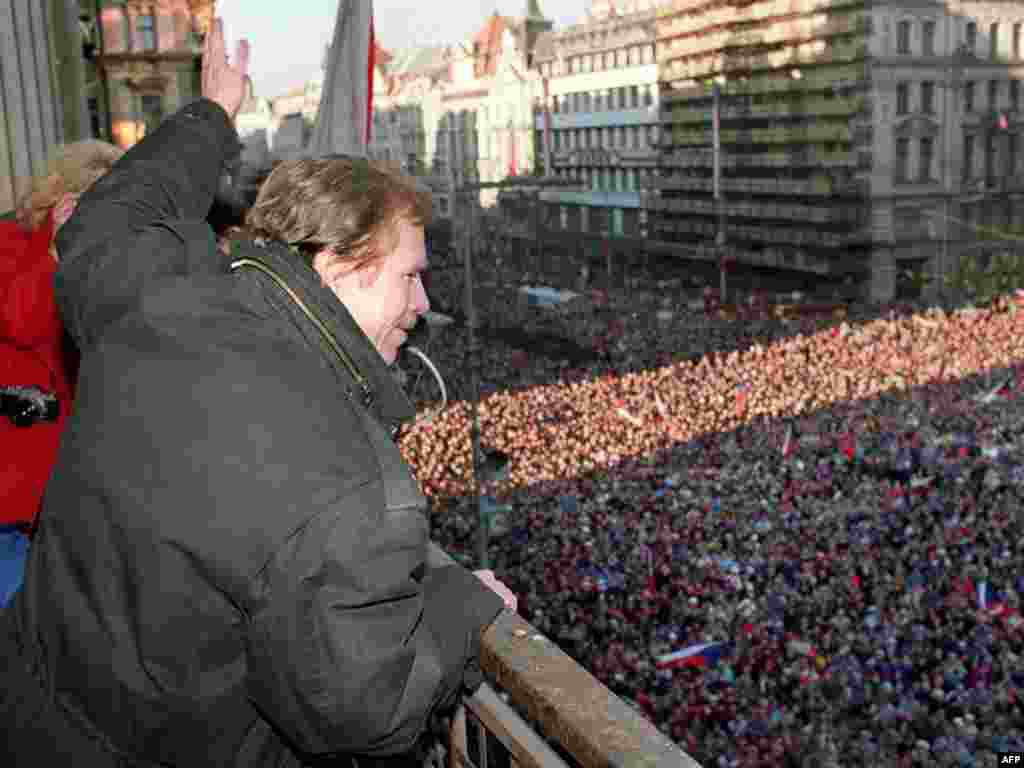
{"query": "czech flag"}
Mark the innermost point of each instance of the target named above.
(701, 656)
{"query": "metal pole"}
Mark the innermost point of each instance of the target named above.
(950, 105)
(716, 139)
(483, 524)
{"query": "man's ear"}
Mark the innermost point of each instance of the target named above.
(63, 209)
(368, 275)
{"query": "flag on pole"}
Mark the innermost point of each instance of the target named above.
(343, 121)
(703, 655)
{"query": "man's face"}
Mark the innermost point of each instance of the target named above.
(387, 298)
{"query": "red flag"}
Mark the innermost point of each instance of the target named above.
(370, 61)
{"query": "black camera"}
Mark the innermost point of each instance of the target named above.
(26, 406)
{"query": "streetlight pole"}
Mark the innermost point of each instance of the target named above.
(464, 242)
(716, 148)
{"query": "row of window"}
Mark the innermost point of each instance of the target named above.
(926, 103)
(905, 170)
(621, 136)
(905, 47)
(608, 179)
(993, 163)
(586, 218)
(145, 27)
(631, 56)
(625, 97)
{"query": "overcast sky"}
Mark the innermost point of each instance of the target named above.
(288, 36)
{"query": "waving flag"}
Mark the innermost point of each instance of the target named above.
(343, 120)
(701, 656)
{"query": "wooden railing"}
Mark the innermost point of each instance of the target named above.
(557, 713)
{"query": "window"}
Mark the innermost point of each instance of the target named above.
(903, 37)
(924, 169)
(993, 41)
(598, 101)
(993, 94)
(649, 53)
(928, 97)
(902, 159)
(1014, 95)
(902, 98)
(971, 38)
(1016, 40)
(969, 96)
(634, 97)
(968, 169)
(928, 38)
(648, 96)
(991, 154)
(147, 32)
(152, 110)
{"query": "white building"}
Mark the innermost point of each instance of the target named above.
(602, 86)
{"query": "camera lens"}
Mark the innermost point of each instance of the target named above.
(24, 415)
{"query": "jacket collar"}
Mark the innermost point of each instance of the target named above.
(389, 402)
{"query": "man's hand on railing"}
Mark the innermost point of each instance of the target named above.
(225, 83)
(488, 578)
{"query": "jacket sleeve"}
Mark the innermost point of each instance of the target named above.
(145, 219)
(359, 641)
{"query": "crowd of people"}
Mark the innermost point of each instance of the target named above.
(834, 498)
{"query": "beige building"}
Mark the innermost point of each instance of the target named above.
(858, 139)
(602, 101)
(150, 58)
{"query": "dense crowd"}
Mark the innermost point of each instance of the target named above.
(835, 497)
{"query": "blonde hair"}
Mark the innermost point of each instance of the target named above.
(73, 169)
(349, 205)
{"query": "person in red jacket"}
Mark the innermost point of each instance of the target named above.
(34, 350)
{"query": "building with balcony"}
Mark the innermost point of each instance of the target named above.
(601, 98)
(855, 137)
(150, 57)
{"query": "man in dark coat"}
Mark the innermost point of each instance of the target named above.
(231, 565)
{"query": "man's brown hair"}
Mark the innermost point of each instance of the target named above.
(350, 205)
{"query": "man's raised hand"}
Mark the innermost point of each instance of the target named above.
(225, 83)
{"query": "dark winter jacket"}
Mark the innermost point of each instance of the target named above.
(231, 564)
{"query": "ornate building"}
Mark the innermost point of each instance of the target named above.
(601, 80)
(857, 139)
(150, 57)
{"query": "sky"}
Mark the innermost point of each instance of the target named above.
(288, 37)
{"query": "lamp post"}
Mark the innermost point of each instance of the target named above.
(464, 243)
(716, 159)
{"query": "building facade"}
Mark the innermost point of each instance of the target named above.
(150, 58)
(857, 139)
(601, 83)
